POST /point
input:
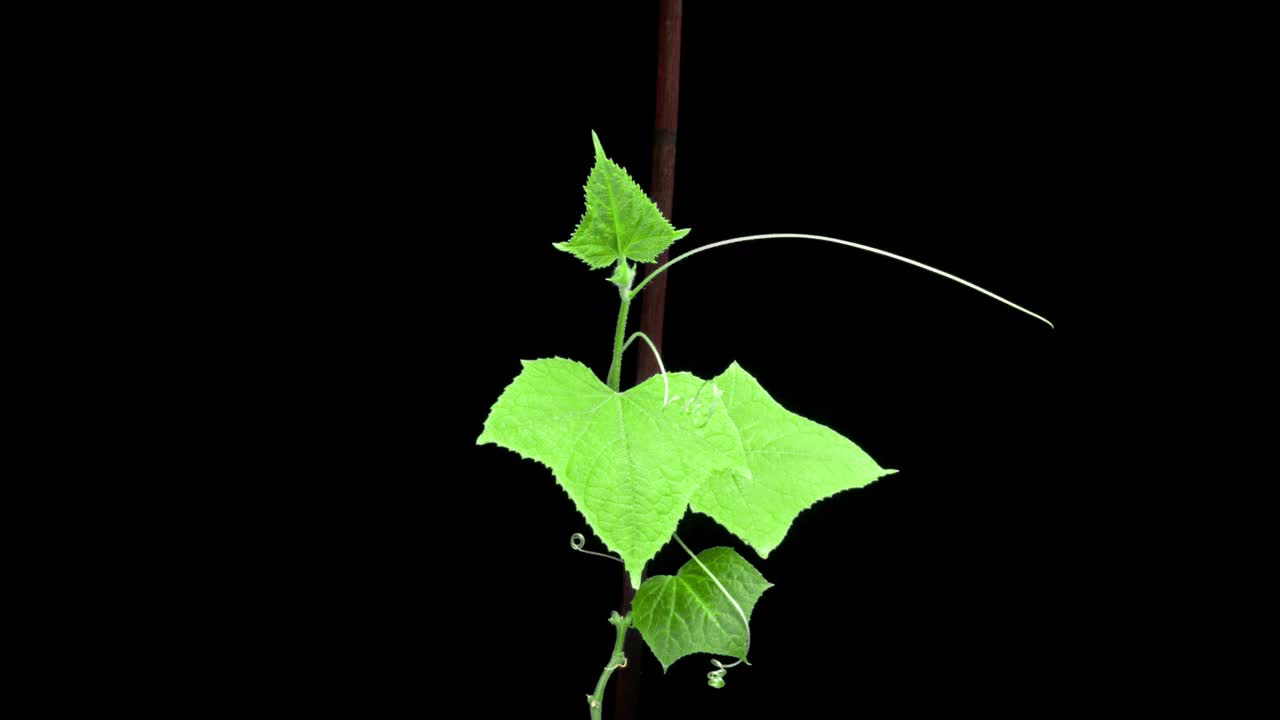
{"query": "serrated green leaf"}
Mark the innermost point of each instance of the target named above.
(792, 462)
(687, 613)
(628, 463)
(620, 221)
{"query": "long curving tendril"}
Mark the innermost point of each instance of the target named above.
(666, 384)
(859, 246)
(578, 542)
(715, 678)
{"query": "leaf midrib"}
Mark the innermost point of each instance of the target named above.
(613, 204)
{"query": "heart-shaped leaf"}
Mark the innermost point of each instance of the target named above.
(628, 462)
(688, 612)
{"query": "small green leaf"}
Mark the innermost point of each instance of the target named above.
(687, 612)
(620, 221)
(628, 463)
(791, 463)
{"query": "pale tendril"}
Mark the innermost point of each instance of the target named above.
(666, 384)
(715, 678)
(578, 542)
(693, 404)
(858, 246)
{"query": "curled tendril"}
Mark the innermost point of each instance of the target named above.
(578, 542)
(715, 678)
(694, 405)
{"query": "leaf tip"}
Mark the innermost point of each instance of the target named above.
(595, 140)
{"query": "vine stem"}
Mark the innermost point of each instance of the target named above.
(616, 660)
(615, 366)
(846, 243)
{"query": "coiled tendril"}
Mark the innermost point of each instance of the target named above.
(694, 405)
(715, 678)
(578, 542)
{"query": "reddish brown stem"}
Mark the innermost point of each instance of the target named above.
(654, 299)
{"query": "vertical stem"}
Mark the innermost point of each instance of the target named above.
(653, 304)
(620, 332)
(616, 660)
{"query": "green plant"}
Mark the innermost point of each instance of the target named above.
(632, 461)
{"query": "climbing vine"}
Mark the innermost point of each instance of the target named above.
(634, 461)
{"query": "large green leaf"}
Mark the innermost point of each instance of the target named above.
(791, 463)
(620, 221)
(688, 613)
(629, 463)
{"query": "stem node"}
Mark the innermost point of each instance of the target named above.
(616, 660)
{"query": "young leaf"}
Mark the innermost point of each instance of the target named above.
(687, 613)
(620, 221)
(628, 463)
(792, 463)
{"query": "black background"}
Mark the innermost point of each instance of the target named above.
(264, 277)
